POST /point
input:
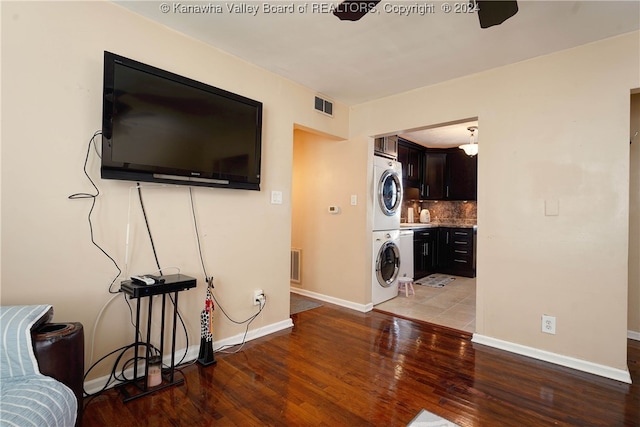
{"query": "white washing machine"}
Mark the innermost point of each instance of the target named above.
(386, 265)
(387, 193)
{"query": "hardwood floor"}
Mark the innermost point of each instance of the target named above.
(338, 367)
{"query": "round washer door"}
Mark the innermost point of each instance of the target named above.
(388, 264)
(390, 192)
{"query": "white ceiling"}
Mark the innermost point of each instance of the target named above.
(387, 53)
(444, 136)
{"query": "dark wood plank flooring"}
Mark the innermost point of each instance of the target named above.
(338, 367)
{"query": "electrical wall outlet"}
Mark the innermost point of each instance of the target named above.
(258, 297)
(548, 324)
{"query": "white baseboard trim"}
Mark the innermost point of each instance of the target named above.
(95, 385)
(633, 335)
(254, 333)
(337, 301)
(558, 359)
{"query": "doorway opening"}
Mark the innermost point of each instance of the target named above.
(437, 176)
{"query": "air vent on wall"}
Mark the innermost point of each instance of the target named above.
(324, 106)
(296, 255)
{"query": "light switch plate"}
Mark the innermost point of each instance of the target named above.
(276, 197)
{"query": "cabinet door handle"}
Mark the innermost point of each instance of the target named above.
(426, 247)
(461, 252)
(461, 233)
(427, 191)
(460, 261)
(459, 243)
(447, 191)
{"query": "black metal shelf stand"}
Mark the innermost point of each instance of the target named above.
(173, 283)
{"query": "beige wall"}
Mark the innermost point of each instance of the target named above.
(552, 128)
(51, 105)
(634, 220)
(326, 172)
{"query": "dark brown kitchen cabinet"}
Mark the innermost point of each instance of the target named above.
(410, 156)
(462, 173)
(456, 251)
(438, 174)
(434, 174)
(425, 254)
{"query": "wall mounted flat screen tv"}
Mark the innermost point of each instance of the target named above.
(161, 127)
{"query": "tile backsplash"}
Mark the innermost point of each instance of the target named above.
(442, 211)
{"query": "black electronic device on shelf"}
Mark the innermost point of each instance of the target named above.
(168, 283)
(158, 126)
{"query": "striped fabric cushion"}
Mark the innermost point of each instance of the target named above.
(36, 401)
(28, 398)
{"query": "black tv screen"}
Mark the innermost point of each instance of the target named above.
(161, 127)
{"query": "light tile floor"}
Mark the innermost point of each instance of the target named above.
(453, 305)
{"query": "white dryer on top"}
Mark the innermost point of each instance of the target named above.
(387, 193)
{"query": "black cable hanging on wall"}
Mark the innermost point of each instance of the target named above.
(155, 256)
(93, 198)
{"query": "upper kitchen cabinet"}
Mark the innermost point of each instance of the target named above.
(462, 175)
(438, 174)
(410, 155)
(386, 146)
(434, 186)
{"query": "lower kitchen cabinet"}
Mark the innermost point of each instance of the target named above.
(456, 251)
(425, 254)
(449, 250)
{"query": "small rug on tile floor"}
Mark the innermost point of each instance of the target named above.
(435, 280)
(300, 304)
(427, 419)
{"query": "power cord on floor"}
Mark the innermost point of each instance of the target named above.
(113, 376)
(246, 330)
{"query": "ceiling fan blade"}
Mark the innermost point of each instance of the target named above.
(492, 13)
(353, 10)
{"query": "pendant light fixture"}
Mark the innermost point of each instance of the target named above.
(472, 147)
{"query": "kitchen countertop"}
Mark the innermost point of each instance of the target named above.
(434, 224)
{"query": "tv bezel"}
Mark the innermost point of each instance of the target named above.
(135, 172)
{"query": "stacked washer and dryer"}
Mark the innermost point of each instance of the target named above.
(387, 195)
